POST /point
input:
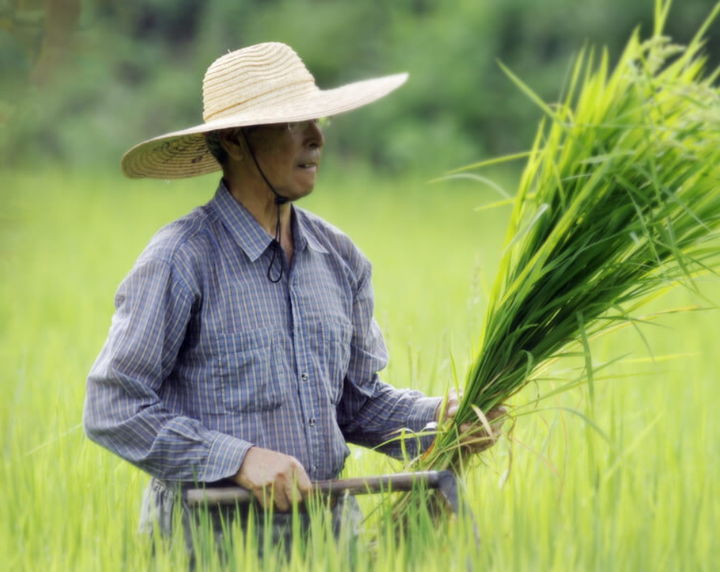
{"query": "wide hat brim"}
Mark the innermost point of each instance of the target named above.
(184, 153)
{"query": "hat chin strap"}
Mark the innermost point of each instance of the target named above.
(279, 200)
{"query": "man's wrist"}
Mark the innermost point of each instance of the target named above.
(227, 454)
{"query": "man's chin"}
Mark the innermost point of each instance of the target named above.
(296, 196)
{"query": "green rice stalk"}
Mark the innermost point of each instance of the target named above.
(619, 199)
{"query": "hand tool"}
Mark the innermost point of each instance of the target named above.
(443, 481)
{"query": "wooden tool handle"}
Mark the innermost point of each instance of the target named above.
(356, 486)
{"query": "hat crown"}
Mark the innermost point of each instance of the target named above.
(260, 76)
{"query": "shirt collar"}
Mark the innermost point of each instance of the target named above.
(305, 233)
(241, 225)
(247, 232)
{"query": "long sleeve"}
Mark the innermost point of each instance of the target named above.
(371, 412)
(124, 410)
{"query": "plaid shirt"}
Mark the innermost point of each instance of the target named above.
(206, 357)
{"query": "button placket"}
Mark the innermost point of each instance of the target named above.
(306, 394)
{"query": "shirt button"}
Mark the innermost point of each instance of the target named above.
(304, 376)
(311, 422)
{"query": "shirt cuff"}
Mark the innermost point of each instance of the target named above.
(423, 411)
(226, 455)
(423, 419)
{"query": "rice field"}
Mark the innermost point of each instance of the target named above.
(628, 482)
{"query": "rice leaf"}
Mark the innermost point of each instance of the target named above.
(618, 201)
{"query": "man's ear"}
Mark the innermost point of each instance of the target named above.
(233, 143)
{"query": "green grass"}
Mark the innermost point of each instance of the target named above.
(640, 496)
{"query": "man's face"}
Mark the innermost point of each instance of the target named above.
(289, 155)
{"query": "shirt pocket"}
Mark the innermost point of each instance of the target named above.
(330, 343)
(248, 372)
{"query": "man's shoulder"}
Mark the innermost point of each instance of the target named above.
(182, 240)
(328, 235)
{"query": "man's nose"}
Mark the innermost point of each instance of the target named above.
(313, 135)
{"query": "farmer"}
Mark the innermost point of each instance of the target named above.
(243, 347)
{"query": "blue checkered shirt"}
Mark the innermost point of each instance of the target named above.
(206, 357)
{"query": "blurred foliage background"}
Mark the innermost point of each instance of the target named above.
(82, 80)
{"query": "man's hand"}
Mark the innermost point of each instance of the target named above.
(481, 434)
(265, 473)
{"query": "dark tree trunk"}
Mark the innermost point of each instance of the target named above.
(61, 18)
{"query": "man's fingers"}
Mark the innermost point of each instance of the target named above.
(262, 494)
(274, 495)
(274, 478)
(452, 404)
(278, 495)
(282, 497)
(293, 495)
(497, 412)
(303, 482)
(292, 487)
(479, 436)
(476, 439)
(477, 432)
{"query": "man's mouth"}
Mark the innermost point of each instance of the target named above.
(309, 161)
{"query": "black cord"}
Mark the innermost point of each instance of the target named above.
(276, 246)
(279, 200)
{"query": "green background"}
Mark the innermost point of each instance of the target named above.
(635, 489)
(121, 72)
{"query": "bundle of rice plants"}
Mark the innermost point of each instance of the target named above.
(619, 200)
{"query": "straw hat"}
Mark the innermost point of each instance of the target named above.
(258, 85)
